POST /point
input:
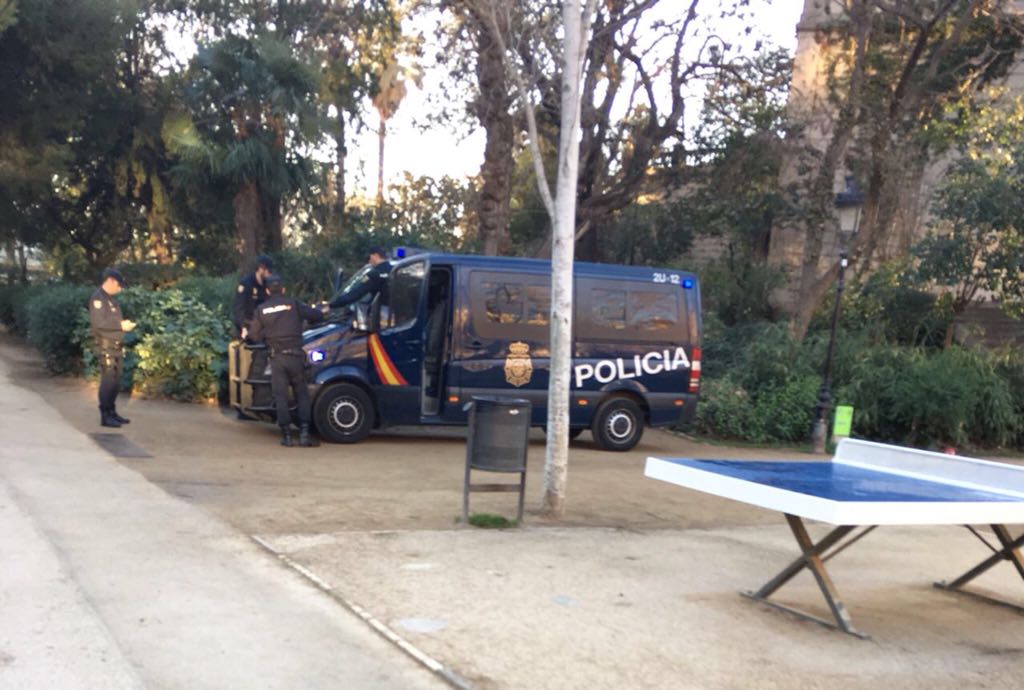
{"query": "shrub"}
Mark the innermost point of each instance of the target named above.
(726, 410)
(950, 397)
(20, 299)
(52, 315)
(216, 294)
(152, 276)
(10, 297)
(181, 354)
(306, 276)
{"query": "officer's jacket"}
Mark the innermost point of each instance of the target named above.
(372, 283)
(278, 323)
(249, 295)
(105, 319)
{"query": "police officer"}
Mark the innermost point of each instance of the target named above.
(108, 329)
(372, 283)
(251, 292)
(278, 323)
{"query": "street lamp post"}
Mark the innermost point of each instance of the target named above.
(819, 434)
(848, 204)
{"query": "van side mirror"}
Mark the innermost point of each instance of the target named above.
(361, 318)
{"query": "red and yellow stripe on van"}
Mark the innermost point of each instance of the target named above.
(386, 369)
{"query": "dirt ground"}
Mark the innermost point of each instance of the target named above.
(635, 588)
(400, 479)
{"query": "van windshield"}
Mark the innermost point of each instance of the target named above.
(356, 277)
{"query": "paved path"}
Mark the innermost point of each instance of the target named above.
(108, 582)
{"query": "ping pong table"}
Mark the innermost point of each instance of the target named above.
(865, 485)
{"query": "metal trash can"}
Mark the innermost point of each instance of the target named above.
(498, 441)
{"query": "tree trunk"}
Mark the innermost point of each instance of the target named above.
(556, 455)
(382, 134)
(156, 220)
(248, 223)
(273, 222)
(11, 260)
(338, 212)
(23, 263)
(492, 109)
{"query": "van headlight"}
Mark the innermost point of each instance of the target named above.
(316, 356)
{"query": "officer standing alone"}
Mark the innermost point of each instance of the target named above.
(108, 329)
(278, 323)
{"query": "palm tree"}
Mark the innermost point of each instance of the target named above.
(251, 107)
(391, 91)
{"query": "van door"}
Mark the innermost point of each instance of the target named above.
(437, 344)
(500, 339)
(396, 349)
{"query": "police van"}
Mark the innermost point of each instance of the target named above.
(450, 327)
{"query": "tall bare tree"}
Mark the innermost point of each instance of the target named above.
(897, 71)
(561, 207)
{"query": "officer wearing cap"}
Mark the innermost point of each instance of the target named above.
(108, 329)
(372, 283)
(251, 292)
(278, 323)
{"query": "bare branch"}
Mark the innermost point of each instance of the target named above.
(543, 186)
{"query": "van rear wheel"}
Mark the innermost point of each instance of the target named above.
(618, 424)
(344, 414)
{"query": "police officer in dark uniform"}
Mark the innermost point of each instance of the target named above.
(108, 329)
(251, 292)
(372, 283)
(278, 323)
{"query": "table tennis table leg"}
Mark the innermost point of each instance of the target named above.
(1011, 551)
(812, 558)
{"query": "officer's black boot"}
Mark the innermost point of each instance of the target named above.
(108, 419)
(119, 418)
(286, 436)
(305, 439)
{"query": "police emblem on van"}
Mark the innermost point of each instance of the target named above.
(518, 365)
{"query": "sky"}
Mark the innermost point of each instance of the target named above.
(439, 151)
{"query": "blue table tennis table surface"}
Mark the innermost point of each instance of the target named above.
(839, 482)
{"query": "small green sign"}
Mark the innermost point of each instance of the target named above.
(844, 420)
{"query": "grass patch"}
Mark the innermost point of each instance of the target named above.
(491, 521)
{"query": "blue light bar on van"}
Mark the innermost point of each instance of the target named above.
(399, 252)
(687, 283)
(316, 356)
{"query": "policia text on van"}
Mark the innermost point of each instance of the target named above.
(449, 327)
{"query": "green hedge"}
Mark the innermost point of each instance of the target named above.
(50, 317)
(182, 350)
(764, 389)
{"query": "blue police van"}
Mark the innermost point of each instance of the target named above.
(450, 327)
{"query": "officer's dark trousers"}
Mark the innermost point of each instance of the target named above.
(289, 370)
(111, 366)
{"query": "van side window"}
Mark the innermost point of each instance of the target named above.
(516, 306)
(609, 309)
(405, 291)
(652, 311)
(503, 301)
(538, 305)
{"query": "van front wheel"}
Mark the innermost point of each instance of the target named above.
(344, 414)
(618, 424)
